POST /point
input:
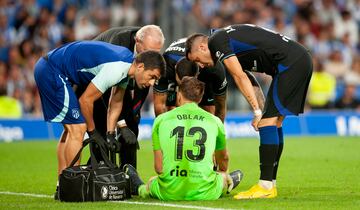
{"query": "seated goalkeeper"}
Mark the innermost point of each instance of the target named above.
(184, 142)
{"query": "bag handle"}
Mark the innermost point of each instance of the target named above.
(77, 156)
(105, 157)
(94, 162)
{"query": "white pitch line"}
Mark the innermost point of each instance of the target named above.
(127, 202)
(27, 194)
(170, 205)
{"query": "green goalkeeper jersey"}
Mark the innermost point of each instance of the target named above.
(188, 137)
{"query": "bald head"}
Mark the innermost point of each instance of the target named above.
(149, 37)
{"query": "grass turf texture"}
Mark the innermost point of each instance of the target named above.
(315, 173)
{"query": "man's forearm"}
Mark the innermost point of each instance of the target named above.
(247, 90)
(159, 109)
(160, 103)
(222, 159)
(158, 161)
(115, 107)
(220, 106)
(87, 111)
(242, 81)
(257, 89)
(114, 111)
(260, 97)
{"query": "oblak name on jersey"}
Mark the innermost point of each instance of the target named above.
(189, 117)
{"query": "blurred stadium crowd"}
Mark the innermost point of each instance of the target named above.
(329, 28)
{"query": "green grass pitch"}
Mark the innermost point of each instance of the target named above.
(315, 173)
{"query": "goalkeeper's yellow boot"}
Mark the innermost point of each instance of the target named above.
(257, 191)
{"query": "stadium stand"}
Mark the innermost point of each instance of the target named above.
(330, 29)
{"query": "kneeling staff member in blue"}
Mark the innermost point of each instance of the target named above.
(98, 66)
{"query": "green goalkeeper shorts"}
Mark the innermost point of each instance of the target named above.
(194, 191)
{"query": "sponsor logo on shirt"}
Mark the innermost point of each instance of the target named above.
(223, 84)
(173, 46)
(178, 172)
(171, 87)
(179, 49)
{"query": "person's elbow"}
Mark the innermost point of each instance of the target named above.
(158, 169)
(83, 101)
(158, 166)
(222, 158)
(159, 108)
(226, 157)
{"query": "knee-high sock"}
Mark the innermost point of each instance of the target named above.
(281, 146)
(268, 150)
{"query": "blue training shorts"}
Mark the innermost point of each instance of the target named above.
(58, 100)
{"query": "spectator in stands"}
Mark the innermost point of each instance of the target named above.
(52, 23)
(124, 15)
(7, 32)
(345, 24)
(84, 28)
(354, 74)
(335, 65)
(327, 11)
(9, 107)
(322, 47)
(322, 87)
(348, 100)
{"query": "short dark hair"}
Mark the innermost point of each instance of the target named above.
(190, 41)
(192, 88)
(152, 60)
(184, 67)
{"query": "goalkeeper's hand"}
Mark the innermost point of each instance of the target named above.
(112, 144)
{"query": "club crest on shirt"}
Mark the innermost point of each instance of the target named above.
(219, 55)
(75, 113)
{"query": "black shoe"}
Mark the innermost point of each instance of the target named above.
(56, 194)
(135, 180)
(235, 179)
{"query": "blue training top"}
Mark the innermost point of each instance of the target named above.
(104, 64)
